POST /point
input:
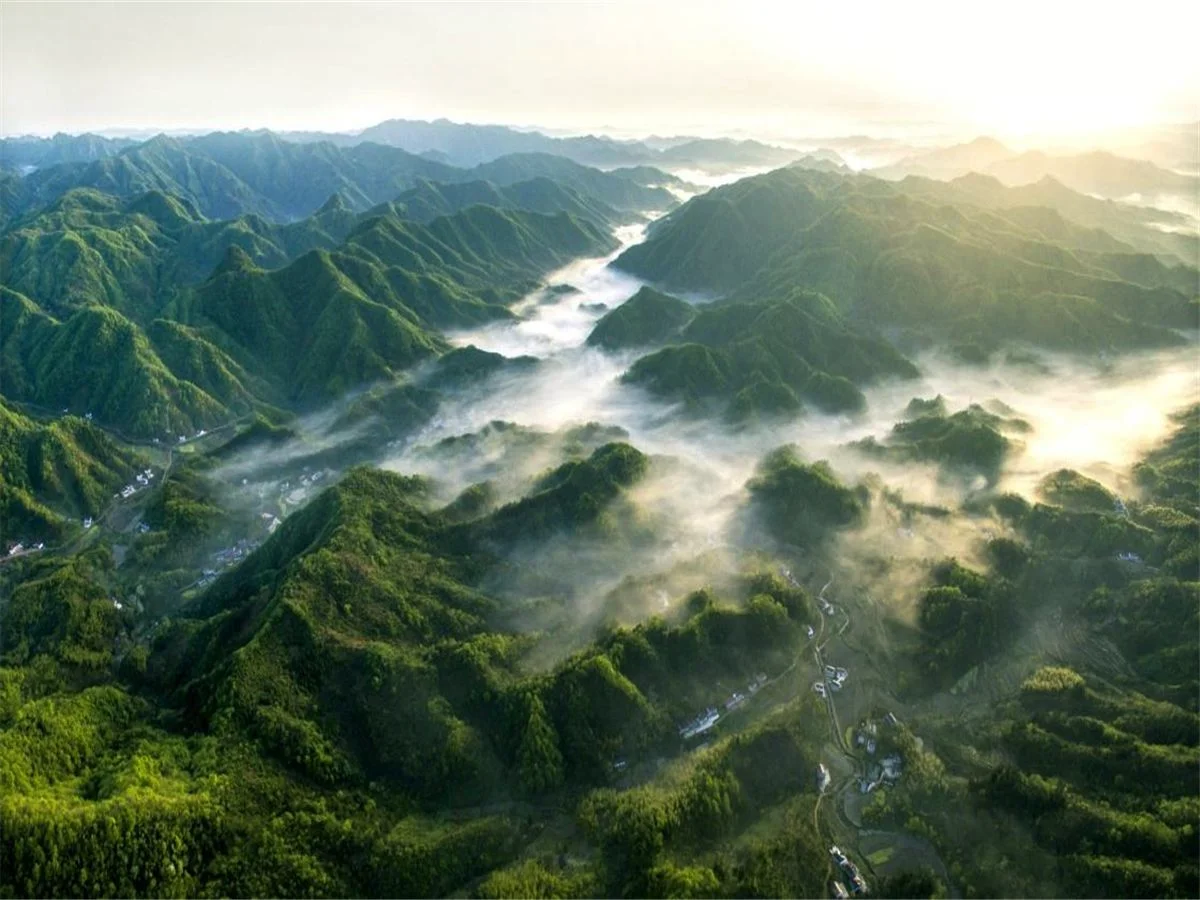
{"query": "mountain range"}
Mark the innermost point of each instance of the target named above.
(920, 259)
(226, 175)
(1098, 172)
(578, 659)
(155, 320)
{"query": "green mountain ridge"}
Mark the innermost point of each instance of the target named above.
(227, 175)
(889, 257)
(766, 359)
(149, 352)
(648, 317)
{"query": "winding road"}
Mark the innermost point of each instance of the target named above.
(913, 844)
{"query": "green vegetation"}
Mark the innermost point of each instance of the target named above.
(1069, 489)
(429, 200)
(647, 317)
(762, 359)
(343, 682)
(803, 504)
(964, 619)
(575, 495)
(971, 441)
(228, 175)
(928, 262)
(411, 686)
(114, 323)
(47, 471)
(1081, 778)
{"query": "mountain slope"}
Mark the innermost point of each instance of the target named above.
(648, 317)
(133, 255)
(629, 193)
(429, 200)
(99, 362)
(125, 335)
(889, 257)
(762, 359)
(66, 468)
(228, 175)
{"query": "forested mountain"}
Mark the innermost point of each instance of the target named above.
(1106, 224)
(132, 255)
(625, 191)
(68, 468)
(891, 255)
(768, 358)
(123, 326)
(648, 317)
(465, 144)
(950, 162)
(227, 175)
(429, 200)
(1096, 173)
(411, 687)
(300, 725)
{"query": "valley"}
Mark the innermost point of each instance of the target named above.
(757, 528)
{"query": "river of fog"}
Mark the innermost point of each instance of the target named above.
(1093, 415)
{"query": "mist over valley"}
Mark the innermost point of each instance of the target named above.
(805, 504)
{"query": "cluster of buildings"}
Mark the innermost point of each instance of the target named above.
(865, 737)
(706, 720)
(849, 872)
(225, 558)
(887, 770)
(834, 680)
(709, 717)
(19, 548)
(1129, 557)
(143, 480)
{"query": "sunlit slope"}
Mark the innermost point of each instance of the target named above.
(891, 257)
(1093, 750)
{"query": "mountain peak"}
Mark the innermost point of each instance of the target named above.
(335, 204)
(235, 260)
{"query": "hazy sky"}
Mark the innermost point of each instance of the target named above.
(1008, 68)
